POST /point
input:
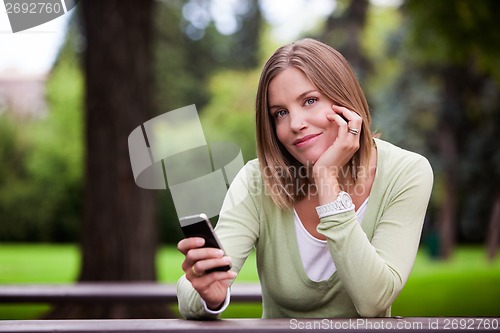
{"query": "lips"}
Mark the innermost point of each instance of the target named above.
(305, 139)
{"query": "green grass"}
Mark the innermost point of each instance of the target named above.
(466, 285)
(38, 263)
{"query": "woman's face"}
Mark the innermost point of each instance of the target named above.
(299, 111)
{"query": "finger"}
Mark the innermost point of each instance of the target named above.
(195, 272)
(342, 124)
(205, 265)
(347, 113)
(187, 244)
(195, 255)
(331, 117)
(346, 141)
(350, 116)
(205, 281)
(354, 120)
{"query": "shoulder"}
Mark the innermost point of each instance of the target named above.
(249, 176)
(399, 158)
(396, 162)
(251, 170)
(253, 165)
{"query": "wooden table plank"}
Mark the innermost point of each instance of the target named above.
(253, 325)
(110, 292)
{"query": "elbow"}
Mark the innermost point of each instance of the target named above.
(376, 302)
(371, 310)
(376, 306)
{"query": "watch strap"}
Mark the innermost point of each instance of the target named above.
(342, 204)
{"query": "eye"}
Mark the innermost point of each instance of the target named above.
(280, 113)
(310, 101)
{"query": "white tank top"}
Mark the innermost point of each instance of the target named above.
(315, 255)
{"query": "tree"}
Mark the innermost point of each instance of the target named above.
(119, 231)
(455, 44)
(344, 32)
(187, 55)
(188, 52)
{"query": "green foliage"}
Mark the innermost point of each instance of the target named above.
(180, 68)
(184, 68)
(450, 82)
(230, 115)
(452, 32)
(13, 185)
(411, 52)
(41, 192)
(186, 55)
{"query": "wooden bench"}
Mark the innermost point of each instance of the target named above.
(156, 292)
(111, 292)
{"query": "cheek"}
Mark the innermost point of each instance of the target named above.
(333, 128)
(280, 133)
(332, 132)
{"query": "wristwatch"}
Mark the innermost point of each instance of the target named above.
(343, 203)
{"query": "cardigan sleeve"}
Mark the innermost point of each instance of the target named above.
(237, 230)
(374, 272)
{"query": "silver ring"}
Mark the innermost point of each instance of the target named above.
(354, 131)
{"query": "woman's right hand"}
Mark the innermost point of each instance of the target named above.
(212, 287)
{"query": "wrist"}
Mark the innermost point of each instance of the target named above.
(324, 172)
(342, 203)
(217, 309)
(327, 187)
(216, 304)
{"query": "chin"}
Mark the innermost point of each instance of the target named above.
(310, 160)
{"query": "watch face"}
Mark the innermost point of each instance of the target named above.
(346, 200)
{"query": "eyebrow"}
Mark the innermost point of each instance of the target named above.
(300, 97)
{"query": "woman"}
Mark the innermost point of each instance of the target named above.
(335, 215)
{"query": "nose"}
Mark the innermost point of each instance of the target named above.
(297, 121)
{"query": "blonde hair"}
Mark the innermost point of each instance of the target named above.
(333, 76)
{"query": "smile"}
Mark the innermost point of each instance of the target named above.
(306, 140)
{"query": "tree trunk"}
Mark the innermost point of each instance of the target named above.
(447, 211)
(344, 34)
(119, 232)
(493, 237)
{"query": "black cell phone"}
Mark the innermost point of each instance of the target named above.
(199, 226)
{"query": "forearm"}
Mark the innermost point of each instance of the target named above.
(375, 268)
(327, 185)
(370, 279)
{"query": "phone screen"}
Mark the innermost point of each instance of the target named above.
(199, 226)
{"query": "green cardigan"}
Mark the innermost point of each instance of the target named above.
(373, 259)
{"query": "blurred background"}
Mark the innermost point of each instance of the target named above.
(69, 207)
